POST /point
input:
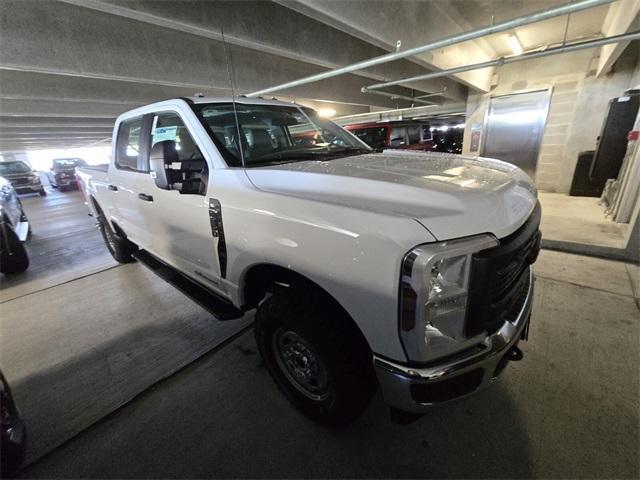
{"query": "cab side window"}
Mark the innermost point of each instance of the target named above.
(128, 145)
(169, 126)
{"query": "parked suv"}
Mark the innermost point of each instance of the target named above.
(401, 135)
(22, 177)
(407, 270)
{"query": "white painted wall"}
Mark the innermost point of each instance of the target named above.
(578, 105)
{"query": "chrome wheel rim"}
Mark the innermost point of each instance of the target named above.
(300, 364)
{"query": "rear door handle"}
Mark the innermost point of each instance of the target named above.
(112, 187)
(145, 197)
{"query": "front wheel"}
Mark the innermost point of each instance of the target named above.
(316, 355)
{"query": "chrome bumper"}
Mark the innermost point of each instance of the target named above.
(461, 375)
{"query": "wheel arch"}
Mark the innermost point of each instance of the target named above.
(259, 280)
(99, 211)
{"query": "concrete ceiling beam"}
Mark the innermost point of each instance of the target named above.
(25, 122)
(53, 108)
(410, 22)
(267, 27)
(148, 54)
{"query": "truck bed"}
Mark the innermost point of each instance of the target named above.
(103, 167)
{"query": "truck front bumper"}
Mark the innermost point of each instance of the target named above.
(417, 389)
(28, 188)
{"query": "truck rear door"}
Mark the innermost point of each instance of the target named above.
(127, 177)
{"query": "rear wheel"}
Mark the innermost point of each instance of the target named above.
(119, 247)
(13, 254)
(316, 355)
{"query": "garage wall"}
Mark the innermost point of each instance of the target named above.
(578, 105)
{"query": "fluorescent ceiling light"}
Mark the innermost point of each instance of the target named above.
(515, 44)
(326, 112)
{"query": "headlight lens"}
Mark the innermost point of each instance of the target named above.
(35, 179)
(434, 290)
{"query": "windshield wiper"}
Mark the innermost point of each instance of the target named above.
(288, 156)
(282, 157)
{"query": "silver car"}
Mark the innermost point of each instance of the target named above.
(14, 230)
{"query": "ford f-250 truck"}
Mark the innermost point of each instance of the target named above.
(411, 271)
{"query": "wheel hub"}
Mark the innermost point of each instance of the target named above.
(300, 364)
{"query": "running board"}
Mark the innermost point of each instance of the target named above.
(213, 303)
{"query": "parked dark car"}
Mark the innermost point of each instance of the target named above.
(23, 178)
(14, 231)
(12, 432)
(402, 135)
(62, 174)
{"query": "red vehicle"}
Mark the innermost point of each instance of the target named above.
(404, 135)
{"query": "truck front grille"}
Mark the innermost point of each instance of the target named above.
(20, 181)
(499, 276)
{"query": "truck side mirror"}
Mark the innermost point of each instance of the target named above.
(163, 154)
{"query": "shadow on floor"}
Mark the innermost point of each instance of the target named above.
(224, 417)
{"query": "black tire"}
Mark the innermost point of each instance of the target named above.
(42, 192)
(13, 254)
(333, 351)
(119, 247)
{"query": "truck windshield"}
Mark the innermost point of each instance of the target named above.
(68, 162)
(275, 134)
(7, 168)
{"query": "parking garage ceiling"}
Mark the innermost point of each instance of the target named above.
(68, 68)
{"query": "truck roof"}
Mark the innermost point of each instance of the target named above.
(240, 99)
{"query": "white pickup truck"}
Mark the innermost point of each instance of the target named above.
(408, 271)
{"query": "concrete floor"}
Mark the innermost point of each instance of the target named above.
(579, 220)
(569, 409)
(64, 244)
(81, 335)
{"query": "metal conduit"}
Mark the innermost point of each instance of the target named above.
(419, 99)
(502, 61)
(445, 42)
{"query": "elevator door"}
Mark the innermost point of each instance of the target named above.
(514, 128)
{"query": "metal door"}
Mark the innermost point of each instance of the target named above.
(513, 128)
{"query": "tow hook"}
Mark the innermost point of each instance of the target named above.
(515, 354)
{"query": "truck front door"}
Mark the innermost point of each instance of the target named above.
(180, 223)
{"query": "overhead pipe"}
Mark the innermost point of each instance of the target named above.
(397, 96)
(505, 60)
(444, 42)
(434, 94)
(419, 99)
(447, 109)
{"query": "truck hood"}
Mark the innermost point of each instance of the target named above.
(452, 196)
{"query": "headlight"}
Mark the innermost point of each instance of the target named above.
(433, 297)
(35, 179)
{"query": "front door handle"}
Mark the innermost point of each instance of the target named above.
(112, 187)
(145, 197)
